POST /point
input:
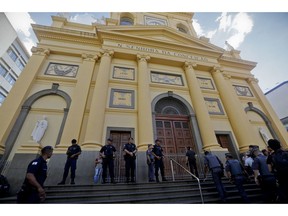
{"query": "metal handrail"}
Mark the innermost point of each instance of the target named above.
(198, 180)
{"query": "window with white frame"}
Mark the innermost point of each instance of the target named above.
(2, 98)
(3, 70)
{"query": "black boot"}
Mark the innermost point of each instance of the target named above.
(157, 179)
(164, 179)
(62, 182)
(72, 182)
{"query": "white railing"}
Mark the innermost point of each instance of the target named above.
(198, 180)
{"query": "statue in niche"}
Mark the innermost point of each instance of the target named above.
(39, 129)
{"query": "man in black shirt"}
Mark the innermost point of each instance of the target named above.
(191, 160)
(32, 190)
(72, 155)
(130, 159)
(158, 154)
(107, 154)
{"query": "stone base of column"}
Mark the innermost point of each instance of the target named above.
(213, 146)
(30, 148)
(91, 145)
(143, 146)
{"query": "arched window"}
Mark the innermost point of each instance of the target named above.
(126, 21)
(182, 28)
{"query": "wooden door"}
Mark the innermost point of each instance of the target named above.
(175, 134)
(120, 138)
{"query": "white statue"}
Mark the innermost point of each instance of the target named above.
(39, 129)
(264, 134)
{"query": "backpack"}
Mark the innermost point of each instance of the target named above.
(4, 186)
(280, 161)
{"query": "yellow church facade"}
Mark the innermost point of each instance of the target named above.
(145, 75)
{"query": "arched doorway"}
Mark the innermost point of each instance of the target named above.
(175, 125)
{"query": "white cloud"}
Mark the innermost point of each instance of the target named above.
(224, 21)
(84, 18)
(198, 28)
(21, 22)
(230, 27)
(241, 25)
(235, 27)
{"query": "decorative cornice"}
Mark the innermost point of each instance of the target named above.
(144, 58)
(40, 51)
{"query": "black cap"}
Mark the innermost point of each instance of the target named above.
(109, 139)
(157, 140)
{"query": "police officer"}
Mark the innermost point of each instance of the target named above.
(213, 163)
(108, 156)
(130, 150)
(32, 189)
(263, 177)
(72, 155)
(235, 174)
(158, 156)
(191, 160)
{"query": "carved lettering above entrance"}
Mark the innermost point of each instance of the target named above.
(159, 51)
(57, 69)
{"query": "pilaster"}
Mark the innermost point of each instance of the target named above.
(242, 128)
(145, 126)
(269, 111)
(79, 100)
(95, 124)
(206, 130)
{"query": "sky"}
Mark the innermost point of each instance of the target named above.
(260, 35)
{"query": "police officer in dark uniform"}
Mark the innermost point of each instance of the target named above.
(236, 176)
(32, 190)
(213, 163)
(130, 150)
(191, 160)
(158, 154)
(263, 177)
(72, 155)
(108, 156)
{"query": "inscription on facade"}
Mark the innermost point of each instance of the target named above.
(205, 83)
(123, 73)
(214, 106)
(159, 51)
(121, 98)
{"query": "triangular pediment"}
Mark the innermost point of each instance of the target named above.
(159, 34)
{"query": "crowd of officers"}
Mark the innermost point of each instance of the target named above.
(270, 171)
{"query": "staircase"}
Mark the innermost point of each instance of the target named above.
(177, 192)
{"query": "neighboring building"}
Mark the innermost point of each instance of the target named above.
(145, 75)
(13, 57)
(279, 101)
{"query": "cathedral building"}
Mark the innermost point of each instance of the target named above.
(145, 75)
